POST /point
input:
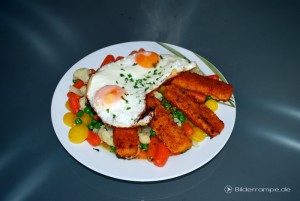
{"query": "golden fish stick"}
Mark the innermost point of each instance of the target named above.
(216, 89)
(126, 142)
(166, 129)
(196, 112)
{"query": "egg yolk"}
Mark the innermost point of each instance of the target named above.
(108, 94)
(147, 59)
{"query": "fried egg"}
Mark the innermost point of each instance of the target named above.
(117, 90)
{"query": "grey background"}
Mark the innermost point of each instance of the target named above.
(255, 44)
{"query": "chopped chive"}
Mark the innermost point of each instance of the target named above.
(107, 110)
(122, 75)
(114, 116)
(161, 57)
(126, 101)
(128, 108)
(96, 149)
(134, 64)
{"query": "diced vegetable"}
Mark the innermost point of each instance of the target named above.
(69, 119)
(79, 113)
(92, 72)
(83, 90)
(74, 104)
(119, 58)
(82, 74)
(82, 102)
(161, 155)
(78, 84)
(141, 50)
(198, 135)
(106, 135)
(76, 91)
(152, 148)
(144, 136)
(108, 59)
(78, 133)
(78, 121)
(93, 139)
(181, 117)
(212, 104)
(87, 109)
(92, 114)
(67, 105)
(188, 129)
(91, 126)
(162, 89)
(142, 155)
(112, 149)
(215, 77)
(166, 105)
(152, 133)
(158, 95)
(133, 52)
(86, 119)
(96, 117)
(144, 147)
(177, 121)
(72, 94)
(98, 124)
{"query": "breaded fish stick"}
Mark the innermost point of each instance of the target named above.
(126, 141)
(166, 129)
(216, 89)
(199, 97)
(197, 113)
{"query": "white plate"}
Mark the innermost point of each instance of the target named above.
(105, 162)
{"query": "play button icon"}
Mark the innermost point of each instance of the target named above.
(228, 189)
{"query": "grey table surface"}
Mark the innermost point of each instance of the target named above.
(255, 44)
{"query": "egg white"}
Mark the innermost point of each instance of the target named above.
(137, 81)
